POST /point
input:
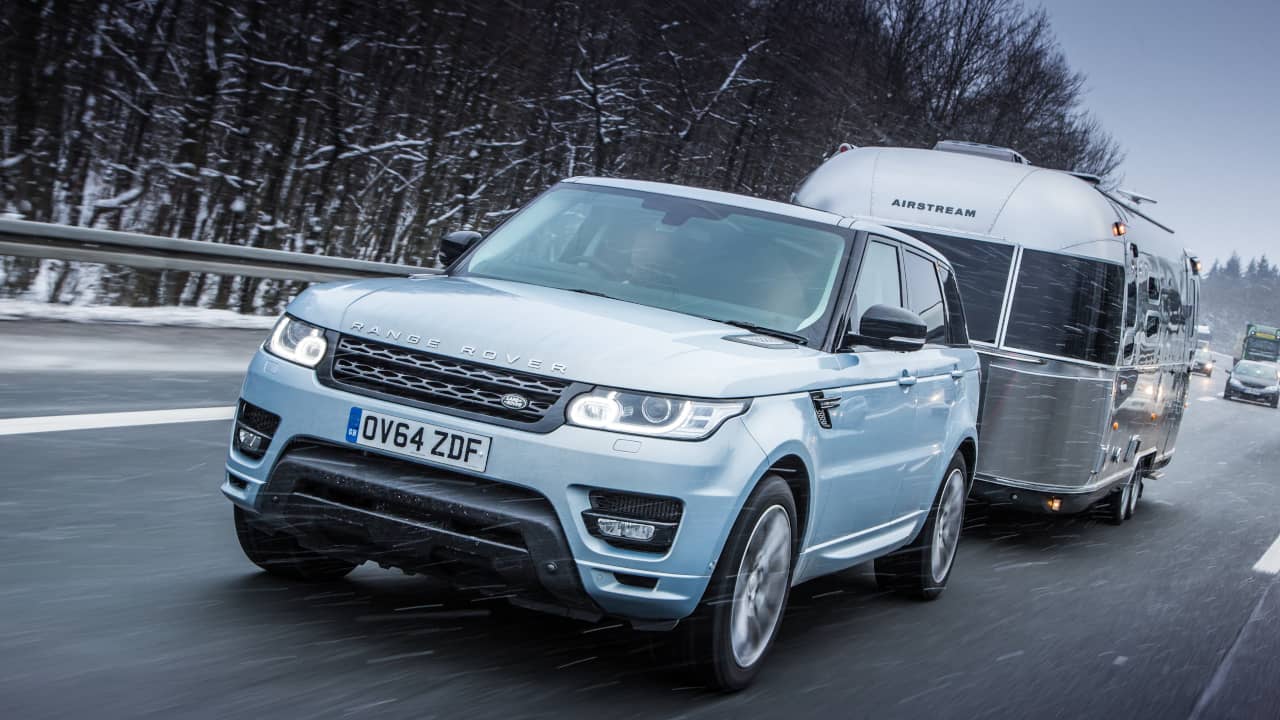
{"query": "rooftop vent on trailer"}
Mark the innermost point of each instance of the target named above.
(994, 152)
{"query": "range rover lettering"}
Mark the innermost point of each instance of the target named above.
(634, 400)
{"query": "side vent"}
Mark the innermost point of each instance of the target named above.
(822, 406)
(994, 152)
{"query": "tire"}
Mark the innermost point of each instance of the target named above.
(1135, 493)
(920, 569)
(281, 555)
(752, 580)
(1120, 503)
(1209, 374)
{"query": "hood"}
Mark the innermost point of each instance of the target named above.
(579, 337)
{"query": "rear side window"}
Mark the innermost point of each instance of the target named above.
(957, 332)
(1067, 306)
(982, 270)
(925, 296)
(879, 282)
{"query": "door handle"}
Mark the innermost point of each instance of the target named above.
(957, 374)
(906, 380)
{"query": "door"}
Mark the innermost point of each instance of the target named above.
(939, 375)
(863, 456)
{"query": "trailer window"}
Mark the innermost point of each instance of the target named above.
(1067, 306)
(982, 269)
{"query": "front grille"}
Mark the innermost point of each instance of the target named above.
(380, 369)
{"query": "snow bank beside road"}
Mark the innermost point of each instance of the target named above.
(164, 316)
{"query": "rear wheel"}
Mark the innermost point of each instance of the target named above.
(282, 556)
(730, 634)
(921, 569)
(1120, 504)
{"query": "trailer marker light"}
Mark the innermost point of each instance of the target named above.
(1115, 426)
(1119, 228)
(1153, 416)
(1054, 504)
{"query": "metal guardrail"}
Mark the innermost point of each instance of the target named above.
(22, 238)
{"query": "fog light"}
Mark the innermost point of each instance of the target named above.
(250, 442)
(1055, 504)
(625, 529)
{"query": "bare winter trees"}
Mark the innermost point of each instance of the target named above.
(368, 129)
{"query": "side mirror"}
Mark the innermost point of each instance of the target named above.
(890, 328)
(453, 245)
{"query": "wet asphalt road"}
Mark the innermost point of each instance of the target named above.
(123, 594)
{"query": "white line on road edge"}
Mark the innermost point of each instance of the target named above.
(1269, 563)
(94, 421)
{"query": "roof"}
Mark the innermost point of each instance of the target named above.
(949, 192)
(716, 196)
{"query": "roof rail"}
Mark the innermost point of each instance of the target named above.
(994, 152)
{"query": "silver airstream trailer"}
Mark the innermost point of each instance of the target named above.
(1082, 308)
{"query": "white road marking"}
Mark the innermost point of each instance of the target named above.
(1208, 398)
(1269, 563)
(94, 421)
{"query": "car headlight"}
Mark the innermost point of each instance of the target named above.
(1271, 389)
(297, 342)
(1234, 383)
(653, 415)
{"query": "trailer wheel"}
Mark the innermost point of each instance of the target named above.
(1121, 502)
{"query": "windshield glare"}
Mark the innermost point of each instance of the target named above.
(706, 259)
(1255, 371)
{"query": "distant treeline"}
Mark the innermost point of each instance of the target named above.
(367, 129)
(1234, 294)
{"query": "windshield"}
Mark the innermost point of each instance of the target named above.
(1255, 371)
(699, 258)
(1261, 348)
(1067, 306)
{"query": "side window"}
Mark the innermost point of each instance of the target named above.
(957, 328)
(925, 296)
(879, 281)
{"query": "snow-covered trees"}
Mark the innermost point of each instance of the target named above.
(369, 129)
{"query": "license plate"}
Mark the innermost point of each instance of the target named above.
(418, 439)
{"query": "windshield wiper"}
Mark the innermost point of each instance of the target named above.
(793, 337)
(584, 291)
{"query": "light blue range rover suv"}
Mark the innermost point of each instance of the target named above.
(637, 400)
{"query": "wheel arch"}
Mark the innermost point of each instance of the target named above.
(795, 472)
(968, 450)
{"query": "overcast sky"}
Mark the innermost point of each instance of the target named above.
(1191, 90)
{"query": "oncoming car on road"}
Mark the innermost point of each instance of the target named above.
(1255, 381)
(634, 400)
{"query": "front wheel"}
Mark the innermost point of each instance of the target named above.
(281, 555)
(921, 569)
(730, 634)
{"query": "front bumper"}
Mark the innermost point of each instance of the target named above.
(1257, 396)
(554, 471)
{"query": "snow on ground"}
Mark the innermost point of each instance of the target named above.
(32, 345)
(167, 316)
